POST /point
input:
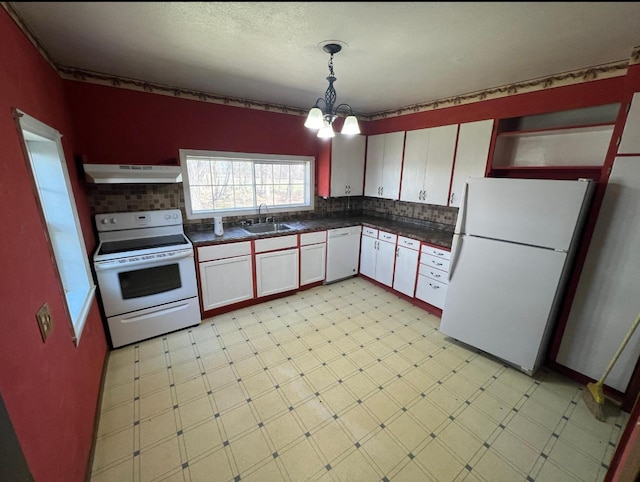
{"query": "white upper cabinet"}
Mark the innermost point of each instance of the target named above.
(428, 160)
(347, 165)
(474, 139)
(630, 141)
(384, 164)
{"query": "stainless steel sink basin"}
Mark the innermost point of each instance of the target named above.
(266, 228)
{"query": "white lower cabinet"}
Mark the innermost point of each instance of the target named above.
(433, 276)
(404, 277)
(277, 264)
(313, 257)
(377, 255)
(227, 276)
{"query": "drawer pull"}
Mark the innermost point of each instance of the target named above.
(436, 263)
(437, 253)
(435, 275)
(435, 287)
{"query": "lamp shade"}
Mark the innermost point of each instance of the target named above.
(326, 132)
(315, 119)
(350, 126)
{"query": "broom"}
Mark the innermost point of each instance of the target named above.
(593, 396)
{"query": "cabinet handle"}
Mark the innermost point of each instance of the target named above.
(451, 199)
(397, 252)
(435, 275)
(382, 190)
(435, 287)
(437, 264)
(437, 253)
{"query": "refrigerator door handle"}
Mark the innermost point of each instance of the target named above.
(456, 245)
(462, 212)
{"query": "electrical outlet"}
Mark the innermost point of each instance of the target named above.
(45, 322)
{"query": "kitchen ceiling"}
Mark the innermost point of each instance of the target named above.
(397, 54)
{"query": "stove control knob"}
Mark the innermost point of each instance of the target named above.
(175, 216)
(104, 221)
(166, 216)
(114, 220)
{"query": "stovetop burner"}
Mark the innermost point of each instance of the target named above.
(111, 247)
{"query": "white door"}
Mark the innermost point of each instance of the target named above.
(226, 281)
(368, 253)
(277, 271)
(474, 139)
(500, 297)
(347, 165)
(385, 261)
(312, 263)
(437, 176)
(404, 278)
(607, 301)
(415, 164)
(392, 165)
(375, 157)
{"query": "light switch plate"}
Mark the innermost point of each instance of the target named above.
(45, 322)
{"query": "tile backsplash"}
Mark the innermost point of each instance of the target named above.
(108, 198)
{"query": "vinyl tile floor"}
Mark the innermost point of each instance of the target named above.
(343, 382)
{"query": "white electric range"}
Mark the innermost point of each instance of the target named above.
(146, 274)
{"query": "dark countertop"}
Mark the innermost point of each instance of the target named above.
(434, 236)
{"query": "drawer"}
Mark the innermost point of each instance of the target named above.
(277, 242)
(433, 273)
(430, 291)
(367, 231)
(313, 238)
(435, 262)
(221, 251)
(389, 237)
(437, 252)
(408, 243)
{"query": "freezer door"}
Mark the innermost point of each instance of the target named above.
(502, 297)
(537, 212)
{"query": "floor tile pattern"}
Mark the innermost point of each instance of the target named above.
(343, 382)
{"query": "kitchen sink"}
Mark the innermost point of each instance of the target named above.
(266, 228)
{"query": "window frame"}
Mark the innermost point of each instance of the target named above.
(255, 158)
(31, 129)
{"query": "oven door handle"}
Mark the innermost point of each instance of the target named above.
(115, 263)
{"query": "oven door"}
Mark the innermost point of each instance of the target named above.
(143, 282)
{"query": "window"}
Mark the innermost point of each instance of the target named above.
(231, 183)
(58, 207)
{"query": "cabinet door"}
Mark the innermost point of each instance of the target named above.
(437, 176)
(392, 165)
(472, 153)
(312, 263)
(415, 164)
(404, 278)
(431, 291)
(368, 256)
(630, 141)
(385, 261)
(277, 271)
(373, 174)
(347, 165)
(226, 281)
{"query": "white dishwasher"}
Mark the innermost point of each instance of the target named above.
(343, 253)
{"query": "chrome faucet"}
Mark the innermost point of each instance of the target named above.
(259, 208)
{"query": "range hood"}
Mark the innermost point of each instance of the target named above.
(131, 173)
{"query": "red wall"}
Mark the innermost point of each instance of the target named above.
(118, 126)
(50, 389)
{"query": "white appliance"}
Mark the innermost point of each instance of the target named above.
(512, 251)
(146, 274)
(131, 174)
(343, 253)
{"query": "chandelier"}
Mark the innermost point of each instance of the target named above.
(322, 118)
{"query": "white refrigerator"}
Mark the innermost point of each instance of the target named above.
(511, 255)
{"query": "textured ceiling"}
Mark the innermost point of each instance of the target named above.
(397, 53)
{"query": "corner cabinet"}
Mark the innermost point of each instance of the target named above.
(404, 277)
(377, 255)
(384, 164)
(428, 161)
(472, 153)
(226, 274)
(277, 265)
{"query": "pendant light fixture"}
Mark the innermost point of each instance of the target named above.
(323, 113)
